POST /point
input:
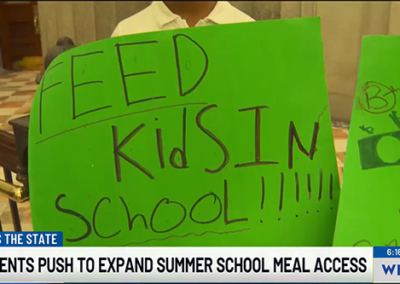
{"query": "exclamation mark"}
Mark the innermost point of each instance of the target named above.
(282, 189)
(331, 187)
(262, 193)
(296, 176)
(321, 183)
(160, 147)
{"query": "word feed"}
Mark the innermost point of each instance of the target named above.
(176, 143)
(372, 156)
(51, 88)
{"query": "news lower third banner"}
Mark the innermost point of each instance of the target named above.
(38, 257)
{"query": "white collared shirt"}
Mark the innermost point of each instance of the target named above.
(158, 17)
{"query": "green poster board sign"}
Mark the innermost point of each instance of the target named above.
(369, 205)
(214, 136)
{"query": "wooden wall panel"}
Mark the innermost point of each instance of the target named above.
(48, 25)
(266, 10)
(65, 19)
(84, 22)
(125, 9)
(290, 9)
(105, 19)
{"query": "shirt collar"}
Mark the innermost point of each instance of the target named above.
(221, 13)
(163, 16)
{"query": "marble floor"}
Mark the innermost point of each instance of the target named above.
(16, 94)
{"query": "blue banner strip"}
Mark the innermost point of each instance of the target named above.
(386, 252)
(31, 239)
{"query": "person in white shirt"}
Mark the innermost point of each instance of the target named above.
(168, 15)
